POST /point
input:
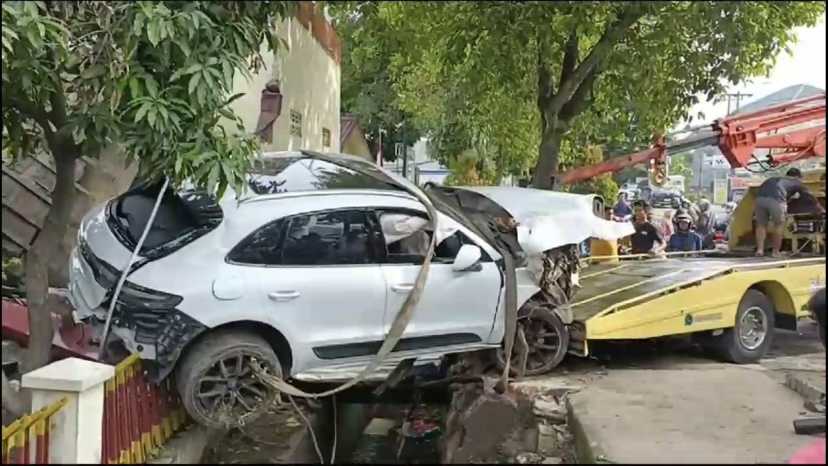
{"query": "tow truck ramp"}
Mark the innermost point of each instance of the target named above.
(642, 299)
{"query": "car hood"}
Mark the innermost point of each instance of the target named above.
(550, 219)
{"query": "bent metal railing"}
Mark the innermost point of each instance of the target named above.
(139, 416)
(26, 440)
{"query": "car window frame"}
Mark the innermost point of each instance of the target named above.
(485, 257)
(286, 223)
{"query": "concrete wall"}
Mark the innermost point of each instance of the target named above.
(309, 75)
(356, 144)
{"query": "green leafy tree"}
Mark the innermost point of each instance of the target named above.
(541, 73)
(151, 78)
(367, 91)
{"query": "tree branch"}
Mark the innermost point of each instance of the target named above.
(582, 98)
(545, 84)
(598, 54)
(571, 56)
(40, 117)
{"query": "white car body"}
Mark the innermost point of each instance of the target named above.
(332, 317)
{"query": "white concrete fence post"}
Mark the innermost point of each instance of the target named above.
(76, 437)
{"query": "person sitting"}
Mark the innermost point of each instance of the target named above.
(646, 239)
(771, 205)
(684, 238)
(622, 207)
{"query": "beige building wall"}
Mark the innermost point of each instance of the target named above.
(307, 68)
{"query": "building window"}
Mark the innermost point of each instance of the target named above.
(295, 124)
(326, 138)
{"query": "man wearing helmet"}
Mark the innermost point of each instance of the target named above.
(684, 238)
(706, 218)
(684, 203)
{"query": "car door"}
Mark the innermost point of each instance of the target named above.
(455, 307)
(318, 278)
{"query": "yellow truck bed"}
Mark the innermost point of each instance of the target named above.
(638, 299)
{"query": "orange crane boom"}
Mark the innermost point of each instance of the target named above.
(737, 137)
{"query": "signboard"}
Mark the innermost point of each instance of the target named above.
(715, 161)
(744, 183)
(720, 191)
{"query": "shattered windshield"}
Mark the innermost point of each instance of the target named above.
(293, 174)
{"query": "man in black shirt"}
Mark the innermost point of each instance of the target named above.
(771, 204)
(646, 239)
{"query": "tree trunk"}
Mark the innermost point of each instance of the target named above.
(40, 254)
(548, 153)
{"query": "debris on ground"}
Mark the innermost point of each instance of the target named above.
(264, 440)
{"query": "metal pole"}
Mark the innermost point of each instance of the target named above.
(405, 152)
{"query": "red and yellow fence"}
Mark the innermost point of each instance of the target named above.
(139, 416)
(26, 440)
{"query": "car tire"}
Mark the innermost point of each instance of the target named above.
(543, 316)
(204, 360)
(734, 345)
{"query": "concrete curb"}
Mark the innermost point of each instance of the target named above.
(187, 447)
(586, 451)
(803, 387)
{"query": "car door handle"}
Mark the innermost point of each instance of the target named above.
(402, 288)
(283, 295)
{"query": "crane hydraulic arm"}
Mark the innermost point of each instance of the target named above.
(737, 137)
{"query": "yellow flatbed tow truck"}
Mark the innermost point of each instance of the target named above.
(732, 300)
(736, 302)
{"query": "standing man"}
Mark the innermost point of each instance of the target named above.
(771, 205)
(646, 239)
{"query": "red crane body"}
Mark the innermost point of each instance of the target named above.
(737, 138)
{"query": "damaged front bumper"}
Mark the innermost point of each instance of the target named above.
(143, 321)
(159, 335)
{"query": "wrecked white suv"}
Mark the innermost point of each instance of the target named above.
(307, 269)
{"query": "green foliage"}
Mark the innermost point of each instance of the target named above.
(367, 91)
(529, 75)
(603, 185)
(153, 77)
(469, 169)
(12, 272)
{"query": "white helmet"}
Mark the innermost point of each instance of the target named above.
(730, 206)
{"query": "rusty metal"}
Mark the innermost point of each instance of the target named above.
(737, 137)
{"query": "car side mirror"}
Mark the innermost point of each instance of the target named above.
(467, 259)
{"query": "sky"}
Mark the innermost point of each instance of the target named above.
(805, 65)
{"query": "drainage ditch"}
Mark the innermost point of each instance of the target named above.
(527, 425)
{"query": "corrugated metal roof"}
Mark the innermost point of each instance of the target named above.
(787, 94)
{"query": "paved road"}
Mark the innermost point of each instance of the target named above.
(690, 409)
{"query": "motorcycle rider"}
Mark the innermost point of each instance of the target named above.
(684, 203)
(705, 219)
(622, 207)
(684, 238)
(729, 208)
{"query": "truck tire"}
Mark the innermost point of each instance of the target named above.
(539, 316)
(221, 362)
(751, 336)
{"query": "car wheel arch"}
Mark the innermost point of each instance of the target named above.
(274, 337)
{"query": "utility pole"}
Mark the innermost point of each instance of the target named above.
(738, 96)
(404, 152)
